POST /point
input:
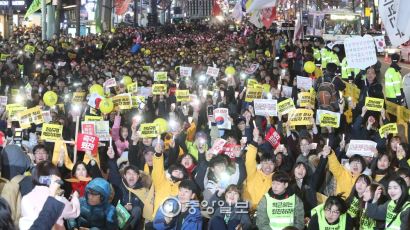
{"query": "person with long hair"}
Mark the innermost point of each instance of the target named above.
(395, 212)
(365, 222)
(381, 169)
(354, 201)
(79, 179)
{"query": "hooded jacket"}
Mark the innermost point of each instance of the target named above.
(102, 216)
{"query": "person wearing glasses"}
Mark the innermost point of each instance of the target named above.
(331, 215)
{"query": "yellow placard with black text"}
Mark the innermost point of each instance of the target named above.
(51, 132)
(149, 130)
(182, 95)
(158, 89)
(122, 101)
(300, 117)
(374, 104)
(329, 120)
(390, 128)
(29, 116)
(253, 93)
(285, 106)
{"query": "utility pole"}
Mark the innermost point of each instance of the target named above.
(43, 20)
(58, 17)
(135, 13)
(77, 17)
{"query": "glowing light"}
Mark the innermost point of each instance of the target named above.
(220, 18)
(202, 78)
(19, 98)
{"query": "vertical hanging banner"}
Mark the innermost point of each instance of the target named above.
(391, 12)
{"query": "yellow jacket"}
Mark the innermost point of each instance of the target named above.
(163, 187)
(257, 183)
(344, 178)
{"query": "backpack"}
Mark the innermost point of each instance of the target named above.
(327, 95)
(10, 191)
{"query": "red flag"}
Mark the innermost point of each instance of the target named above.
(121, 6)
(216, 9)
(273, 137)
(268, 15)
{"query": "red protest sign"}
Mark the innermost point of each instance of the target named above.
(88, 128)
(87, 142)
(232, 150)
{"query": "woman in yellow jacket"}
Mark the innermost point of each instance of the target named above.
(258, 181)
(165, 185)
(345, 178)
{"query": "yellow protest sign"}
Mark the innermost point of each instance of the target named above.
(329, 120)
(266, 88)
(15, 92)
(78, 97)
(182, 95)
(149, 130)
(3, 57)
(300, 117)
(252, 82)
(374, 104)
(137, 100)
(29, 48)
(253, 93)
(390, 128)
(122, 101)
(160, 76)
(132, 88)
(65, 45)
(51, 132)
(13, 110)
(305, 99)
(285, 106)
(29, 116)
(352, 91)
(158, 89)
(93, 118)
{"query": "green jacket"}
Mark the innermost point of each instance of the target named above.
(393, 84)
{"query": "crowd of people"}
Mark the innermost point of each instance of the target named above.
(256, 172)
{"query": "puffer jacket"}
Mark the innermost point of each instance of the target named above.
(102, 216)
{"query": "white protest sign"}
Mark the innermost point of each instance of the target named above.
(110, 83)
(321, 111)
(390, 12)
(304, 83)
(287, 91)
(361, 147)
(47, 116)
(222, 118)
(212, 71)
(265, 107)
(251, 69)
(3, 100)
(102, 130)
(144, 91)
(185, 71)
(380, 43)
(360, 52)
